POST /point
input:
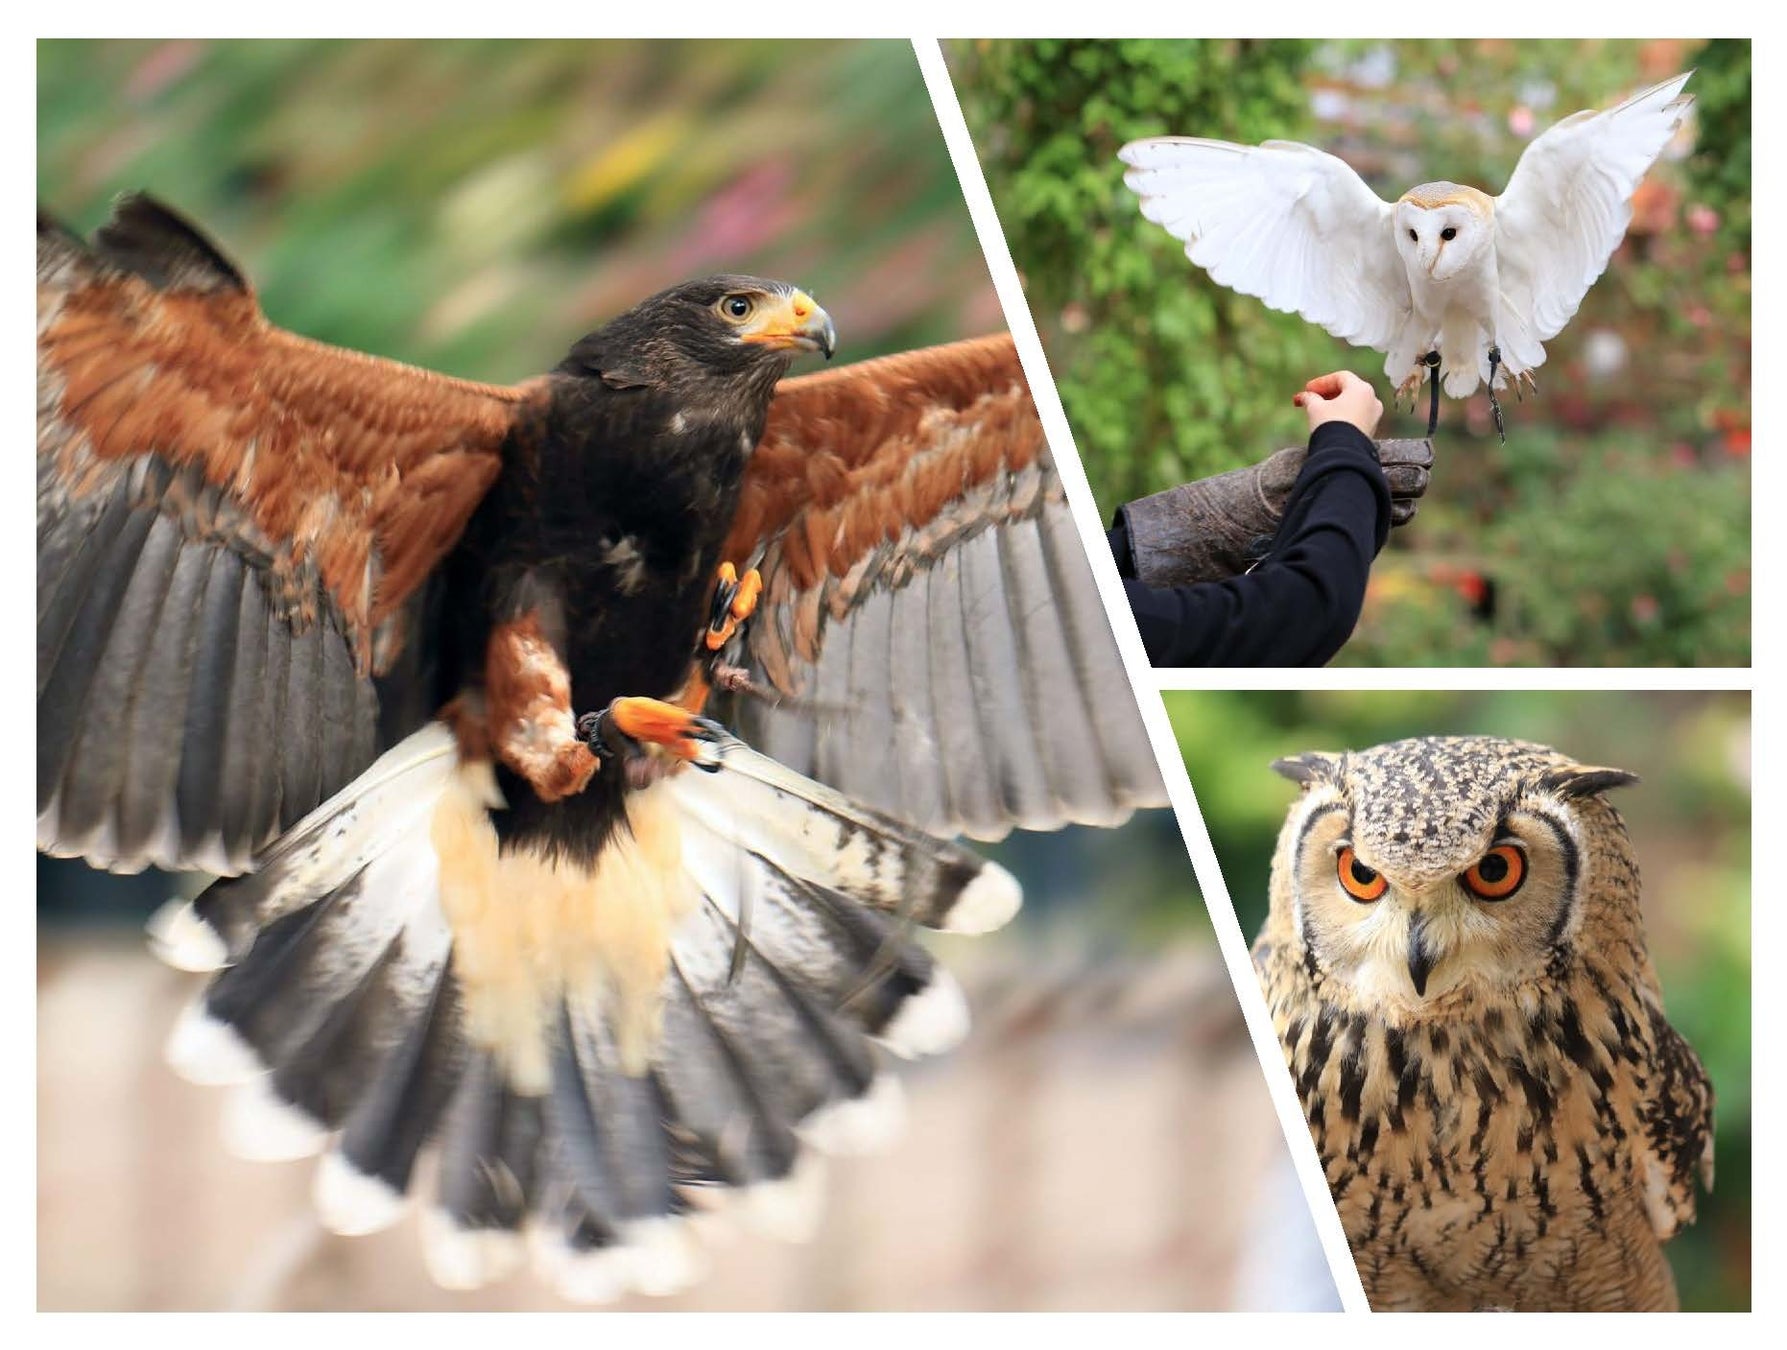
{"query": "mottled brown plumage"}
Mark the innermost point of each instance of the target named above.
(1503, 1113)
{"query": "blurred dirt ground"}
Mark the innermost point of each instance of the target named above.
(1103, 1141)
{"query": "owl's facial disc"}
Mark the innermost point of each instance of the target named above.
(1438, 237)
(1404, 932)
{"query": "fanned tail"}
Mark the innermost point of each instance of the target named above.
(349, 1007)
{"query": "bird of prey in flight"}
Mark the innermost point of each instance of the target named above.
(1450, 282)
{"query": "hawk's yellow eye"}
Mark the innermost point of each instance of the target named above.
(1497, 874)
(736, 307)
(1358, 880)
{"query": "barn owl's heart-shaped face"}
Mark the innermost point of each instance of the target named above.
(1443, 236)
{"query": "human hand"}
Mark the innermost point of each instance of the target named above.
(1340, 397)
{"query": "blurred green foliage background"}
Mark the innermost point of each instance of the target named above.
(1690, 822)
(1614, 526)
(477, 206)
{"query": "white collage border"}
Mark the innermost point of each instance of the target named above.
(1233, 942)
(794, 19)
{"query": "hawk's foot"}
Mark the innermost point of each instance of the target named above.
(735, 600)
(628, 726)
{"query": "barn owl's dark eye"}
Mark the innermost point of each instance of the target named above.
(1449, 233)
(1414, 236)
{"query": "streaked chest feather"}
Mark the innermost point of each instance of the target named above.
(1494, 1152)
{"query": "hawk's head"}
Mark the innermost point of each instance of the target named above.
(738, 331)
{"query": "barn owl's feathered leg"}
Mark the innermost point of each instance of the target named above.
(1432, 362)
(1495, 361)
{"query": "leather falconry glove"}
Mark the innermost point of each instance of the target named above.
(1215, 528)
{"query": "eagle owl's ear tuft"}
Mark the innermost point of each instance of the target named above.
(1581, 780)
(1308, 768)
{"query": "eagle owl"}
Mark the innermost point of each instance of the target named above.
(1456, 967)
(1482, 281)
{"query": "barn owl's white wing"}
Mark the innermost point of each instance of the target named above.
(1282, 221)
(1568, 204)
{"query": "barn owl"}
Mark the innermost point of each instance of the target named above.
(1447, 277)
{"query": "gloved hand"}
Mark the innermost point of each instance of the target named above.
(1218, 527)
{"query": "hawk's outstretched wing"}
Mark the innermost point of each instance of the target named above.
(928, 610)
(233, 528)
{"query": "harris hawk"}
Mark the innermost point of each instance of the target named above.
(419, 667)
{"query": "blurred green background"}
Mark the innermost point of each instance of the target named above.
(1614, 526)
(1690, 822)
(477, 206)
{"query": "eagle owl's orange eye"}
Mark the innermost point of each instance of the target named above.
(1358, 880)
(1497, 874)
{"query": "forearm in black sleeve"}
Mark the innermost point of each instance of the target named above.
(1118, 537)
(1299, 605)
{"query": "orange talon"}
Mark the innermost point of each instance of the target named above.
(735, 600)
(750, 588)
(650, 721)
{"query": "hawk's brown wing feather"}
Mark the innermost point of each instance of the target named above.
(928, 608)
(232, 525)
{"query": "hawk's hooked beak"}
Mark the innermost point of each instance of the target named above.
(793, 320)
(1421, 954)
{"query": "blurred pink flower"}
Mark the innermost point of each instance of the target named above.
(1521, 120)
(165, 64)
(1702, 219)
(1645, 608)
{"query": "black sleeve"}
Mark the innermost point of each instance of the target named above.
(1299, 605)
(1119, 538)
